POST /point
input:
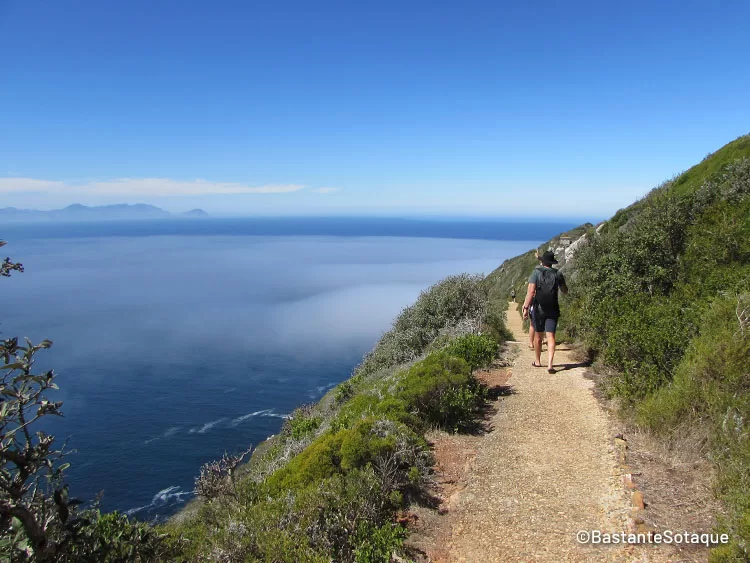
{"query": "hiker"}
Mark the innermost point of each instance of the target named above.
(513, 295)
(532, 331)
(544, 283)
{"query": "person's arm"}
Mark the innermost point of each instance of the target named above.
(530, 292)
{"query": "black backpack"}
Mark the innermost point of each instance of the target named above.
(546, 291)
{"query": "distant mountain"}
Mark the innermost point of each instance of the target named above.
(194, 213)
(78, 212)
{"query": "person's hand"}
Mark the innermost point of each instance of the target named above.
(525, 313)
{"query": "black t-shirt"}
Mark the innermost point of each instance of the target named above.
(534, 278)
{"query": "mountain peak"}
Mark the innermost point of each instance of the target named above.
(195, 213)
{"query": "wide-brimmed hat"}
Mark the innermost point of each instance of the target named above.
(548, 257)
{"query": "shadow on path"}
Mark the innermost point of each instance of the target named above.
(563, 367)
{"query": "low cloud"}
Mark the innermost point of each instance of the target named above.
(325, 190)
(139, 187)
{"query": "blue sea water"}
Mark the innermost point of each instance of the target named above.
(176, 341)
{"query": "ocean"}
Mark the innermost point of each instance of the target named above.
(178, 340)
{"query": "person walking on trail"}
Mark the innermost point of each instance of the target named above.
(544, 285)
(532, 330)
(513, 295)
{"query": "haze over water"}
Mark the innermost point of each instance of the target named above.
(173, 349)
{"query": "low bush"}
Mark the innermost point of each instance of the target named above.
(370, 442)
(113, 538)
(645, 340)
(375, 544)
(302, 423)
(495, 321)
(344, 390)
(656, 298)
(477, 350)
(456, 303)
(711, 388)
(437, 391)
(442, 391)
(344, 517)
(368, 404)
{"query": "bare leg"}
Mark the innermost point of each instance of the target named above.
(532, 334)
(538, 348)
(550, 348)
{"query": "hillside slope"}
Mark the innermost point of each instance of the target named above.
(660, 295)
(659, 298)
(330, 484)
(513, 273)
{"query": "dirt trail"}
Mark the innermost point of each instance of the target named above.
(547, 469)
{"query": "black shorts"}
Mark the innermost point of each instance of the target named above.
(543, 323)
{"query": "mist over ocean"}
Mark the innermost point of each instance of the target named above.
(176, 341)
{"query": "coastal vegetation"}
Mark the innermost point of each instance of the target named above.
(330, 485)
(660, 299)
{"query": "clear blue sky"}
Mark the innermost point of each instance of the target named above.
(399, 108)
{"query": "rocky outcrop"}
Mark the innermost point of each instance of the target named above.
(574, 247)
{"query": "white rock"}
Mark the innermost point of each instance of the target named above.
(574, 246)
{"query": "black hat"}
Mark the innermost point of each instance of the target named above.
(548, 258)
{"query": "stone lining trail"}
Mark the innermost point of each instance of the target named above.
(549, 468)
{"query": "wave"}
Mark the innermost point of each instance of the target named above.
(240, 419)
(264, 413)
(172, 430)
(169, 432)
(170, 495)
(206, 427)
(320, 390)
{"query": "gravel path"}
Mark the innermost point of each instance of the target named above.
(548, 469)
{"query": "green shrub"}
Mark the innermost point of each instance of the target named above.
(326, 520)
(457, 302)
(370, 441)
(369, 405)
(459, 407)
(495, 321)
(655, 297)
(344, 390)
(710, 387)
(376, 544)
(112, 537)
(321, 459)
(477, 350)
(362, 445)
(345, 507)
(646, 338)
(302, 426)
(436, 391)
(442, 391)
